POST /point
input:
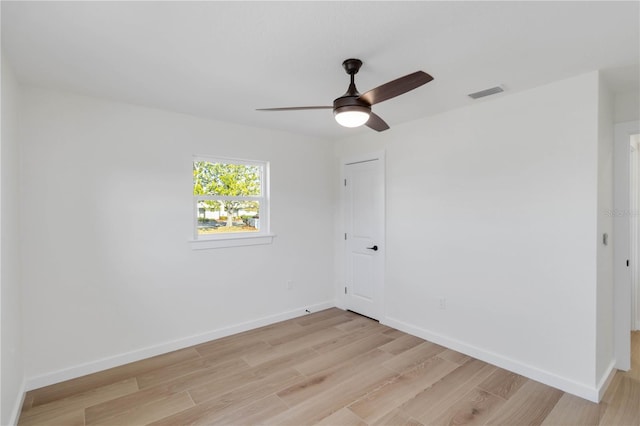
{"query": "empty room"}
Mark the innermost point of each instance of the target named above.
(335, 213)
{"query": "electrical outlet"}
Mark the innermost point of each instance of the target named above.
(289, 285)
(442, 303)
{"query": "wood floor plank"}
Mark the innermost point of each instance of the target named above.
(213, 389)
(28, 402)
(324, 324)
(342, 354)
(301, 342)
(209, 411)
(253, 376)
(194, 379)
(397, 417)
(401, 344)
(624, 408)
(70, 418)
(342, 417)
(270, 354)
(392, 332)
(200, 414)
(454, 356)
(413, 357)
(385, 329)
(529, 405)
(254, 413)
(346, 339)
(77, 401)
(401, 388)
(358, 323)
(113, 375)
(322, 405)
(331, 378)
(285, 361)
(147, 413)
(611, 390)
(434, 400)
(97, 413)
(272, 331)
(212, 382)
(474, 408)
(574, 411)
(272, 384)
(224, 349)
(200, 365)
(503, 383)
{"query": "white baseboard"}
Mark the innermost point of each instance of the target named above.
(584, 391)
(534, 373)
(17, 408)
(137, 355)
(607, 377)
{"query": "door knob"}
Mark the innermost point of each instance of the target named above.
(374, 248)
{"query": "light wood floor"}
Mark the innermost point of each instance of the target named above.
(328, 368)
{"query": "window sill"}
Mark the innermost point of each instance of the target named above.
(231, 241)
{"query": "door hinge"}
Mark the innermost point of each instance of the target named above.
(627, 263)
(345, 290)
(345, 182)
(345, 235)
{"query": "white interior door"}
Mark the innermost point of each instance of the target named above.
(364, 235)
(634, 224)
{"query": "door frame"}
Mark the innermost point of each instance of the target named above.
(344, 162)
(622, 243)
(634, 223)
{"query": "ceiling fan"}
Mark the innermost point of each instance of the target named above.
(354, 109)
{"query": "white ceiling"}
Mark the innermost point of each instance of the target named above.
(224, 59)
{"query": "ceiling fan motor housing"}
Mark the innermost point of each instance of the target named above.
(350, 103)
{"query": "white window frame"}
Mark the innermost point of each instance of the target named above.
(234, 239)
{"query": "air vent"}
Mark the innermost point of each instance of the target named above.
(486, 92)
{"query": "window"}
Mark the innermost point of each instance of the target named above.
(231, 203)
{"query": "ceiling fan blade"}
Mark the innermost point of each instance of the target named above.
(376, 123)
(396, 87)
(294, 108)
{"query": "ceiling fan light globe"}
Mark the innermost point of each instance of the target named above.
(351, 116)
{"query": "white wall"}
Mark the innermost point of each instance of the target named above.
(626, 107)
(494, 207)
(605, 358)
(12, 373)
(107, 214)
